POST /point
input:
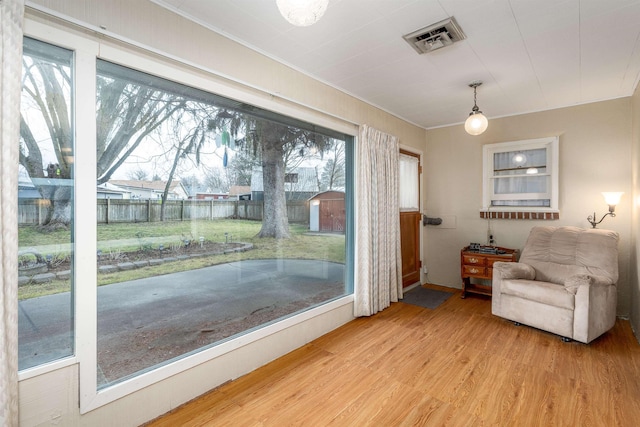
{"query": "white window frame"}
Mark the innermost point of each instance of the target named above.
(87, 50)
(551, 144)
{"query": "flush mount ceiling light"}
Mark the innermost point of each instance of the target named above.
(302, 13)
(476, 122)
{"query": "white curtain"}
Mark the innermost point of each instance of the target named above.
(11, 17)
(379, 266)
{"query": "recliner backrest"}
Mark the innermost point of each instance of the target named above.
(557, 253)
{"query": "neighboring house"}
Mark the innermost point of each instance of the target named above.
(26, 190)
(240, 192)
(107, 190)
(209, 196)
(202, 192)
(299, 184)
(151, 189)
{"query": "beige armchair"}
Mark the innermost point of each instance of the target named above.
(564, 283)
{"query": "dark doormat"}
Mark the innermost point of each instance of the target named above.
(425, 297)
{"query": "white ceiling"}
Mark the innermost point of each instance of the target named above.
(532, 55)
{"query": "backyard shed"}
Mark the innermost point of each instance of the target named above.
(327, 212)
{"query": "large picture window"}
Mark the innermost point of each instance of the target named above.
(45, 206)
(183, 263)
(202, 221)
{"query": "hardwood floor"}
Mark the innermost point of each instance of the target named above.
(456, 365)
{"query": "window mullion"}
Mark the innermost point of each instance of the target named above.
(85, 225)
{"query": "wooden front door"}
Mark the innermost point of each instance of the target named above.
(410, 247)
(410, 217)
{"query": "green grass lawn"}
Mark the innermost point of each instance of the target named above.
(240, 230)
(120, 238)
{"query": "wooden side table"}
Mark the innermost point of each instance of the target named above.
(479, 265)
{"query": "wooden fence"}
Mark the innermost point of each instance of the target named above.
(33, 211)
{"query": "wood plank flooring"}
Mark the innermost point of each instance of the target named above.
(457, 365)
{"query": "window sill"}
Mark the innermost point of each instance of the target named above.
(520, 214)
(46, 368)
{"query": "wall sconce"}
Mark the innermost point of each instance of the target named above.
(611, 199)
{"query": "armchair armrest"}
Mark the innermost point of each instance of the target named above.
(514, 270)
(507, 271)
(595, 305)
(574, 282)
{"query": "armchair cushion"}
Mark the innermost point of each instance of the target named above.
(557, 253)
(543, 292)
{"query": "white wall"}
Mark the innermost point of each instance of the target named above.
(595, 156)
(141, 26)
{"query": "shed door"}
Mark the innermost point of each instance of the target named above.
(332, 216)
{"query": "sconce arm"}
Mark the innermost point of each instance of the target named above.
(592, 218)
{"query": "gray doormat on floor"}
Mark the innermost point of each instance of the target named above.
(425, 297)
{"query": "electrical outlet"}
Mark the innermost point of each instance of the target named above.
(425, 270)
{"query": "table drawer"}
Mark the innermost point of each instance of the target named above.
(472, 260)
(473, 270)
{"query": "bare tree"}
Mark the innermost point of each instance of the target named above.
(190, 130)
(333, 176)
(191, 183)
(241, 166)
(217, 178)
(127, 112)
(138, 174)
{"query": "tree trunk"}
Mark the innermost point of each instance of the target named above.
(59, 208)
(275, 222)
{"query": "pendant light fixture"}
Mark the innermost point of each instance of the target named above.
(302, 13)
(476, 122)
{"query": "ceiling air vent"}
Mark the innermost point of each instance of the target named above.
(436, 36)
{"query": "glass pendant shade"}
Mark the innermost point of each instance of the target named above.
(476, 123)
(302, 13)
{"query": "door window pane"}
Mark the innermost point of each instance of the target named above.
(203, 220)
(45, 206)
(409, 185)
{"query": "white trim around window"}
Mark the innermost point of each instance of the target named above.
(541, 176)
